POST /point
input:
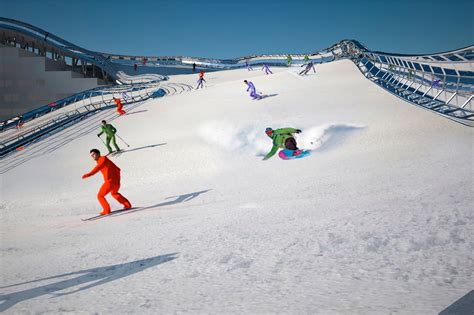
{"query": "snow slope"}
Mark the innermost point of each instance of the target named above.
(377, 220)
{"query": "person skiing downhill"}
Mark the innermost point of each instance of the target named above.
(253, 91)
(249, 67)
(110, 132)
(111, 184)
(266, 69)
(307, 69)
(201, 80)
(289, 59)
(282, 139)
(120, 111)
(306, 58)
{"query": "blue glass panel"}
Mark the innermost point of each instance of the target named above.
(417, 66)
(450, 71)
(469, 55)
(438, 70)
(438, 58)
(467, 80)
(383, 59)
(405, 63)
(374, 70)
(426, 68)
(451, 79)
(453, 58)
(466, 73)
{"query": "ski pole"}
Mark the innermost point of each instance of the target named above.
(101, 140)
(122, 140)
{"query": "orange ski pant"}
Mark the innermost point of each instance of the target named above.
(112, 188)
(119, 109)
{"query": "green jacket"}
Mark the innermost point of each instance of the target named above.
(108, 129)
(279, 137)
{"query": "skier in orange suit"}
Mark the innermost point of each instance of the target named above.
(111, 174)
(120, 111)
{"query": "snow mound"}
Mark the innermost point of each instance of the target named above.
(325, 136)
(252, 138)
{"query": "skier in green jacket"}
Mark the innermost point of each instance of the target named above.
(109, 131)
(282, 139)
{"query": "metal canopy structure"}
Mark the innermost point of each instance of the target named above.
(442, 82)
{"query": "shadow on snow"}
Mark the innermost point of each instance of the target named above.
(88, 278)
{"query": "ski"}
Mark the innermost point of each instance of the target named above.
(115, 153)
(112, 213)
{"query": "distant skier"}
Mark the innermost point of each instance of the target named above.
(252, 89)
(110, 132)
(120, 111)
(201, 80)
(266, 69)
(135, 67)
(111, 184)
(194, 67)
(289, 60)
(309, 66)
(249, 67)
(282, 139)
(20, 123)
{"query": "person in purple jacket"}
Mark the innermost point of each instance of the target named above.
(252, 89)
(309, 66)
(266, 69)
(249, 67)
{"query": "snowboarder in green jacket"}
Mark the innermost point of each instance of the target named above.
(109, 131)
(282, 139)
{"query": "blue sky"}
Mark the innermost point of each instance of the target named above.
(225, 29)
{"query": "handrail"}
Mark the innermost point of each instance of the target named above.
(10, 141)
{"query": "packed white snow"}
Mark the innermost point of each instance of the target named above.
(377, 220)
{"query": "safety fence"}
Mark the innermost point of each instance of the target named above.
(90, 103)
(442, 83)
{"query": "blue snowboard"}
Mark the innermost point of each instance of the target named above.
(293, 154)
